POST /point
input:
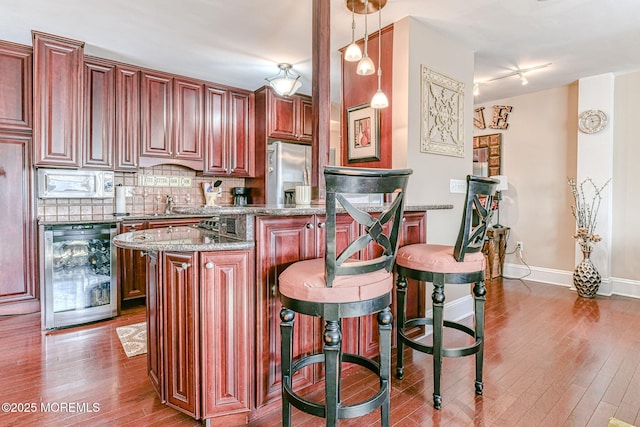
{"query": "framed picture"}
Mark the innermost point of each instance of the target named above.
(363, 133)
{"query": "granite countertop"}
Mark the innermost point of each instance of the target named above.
(209, 211)
(181, 239)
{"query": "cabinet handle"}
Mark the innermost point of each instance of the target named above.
(309, 225)
(185, 265)
(177, 153)
(404, 219)
(321, 225)
(208, 265)
(143, 254)
(274, 291)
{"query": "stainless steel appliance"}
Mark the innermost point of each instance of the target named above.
(71, 183)
(78, 274)
(288, 165)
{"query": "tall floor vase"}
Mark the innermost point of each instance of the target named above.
(586, 278)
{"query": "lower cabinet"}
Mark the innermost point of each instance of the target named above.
(282, 241)
(132, 274)
(200, 335)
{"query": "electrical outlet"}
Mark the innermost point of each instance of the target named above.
(519, 246)
(457, 186)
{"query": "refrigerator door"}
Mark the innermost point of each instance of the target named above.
(288, 165)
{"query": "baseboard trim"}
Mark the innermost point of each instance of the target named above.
(609, 286)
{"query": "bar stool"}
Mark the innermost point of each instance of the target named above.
(439, 264)
(342, 285)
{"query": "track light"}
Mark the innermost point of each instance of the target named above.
(523, 79)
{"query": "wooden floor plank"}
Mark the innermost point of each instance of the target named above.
(551, 359)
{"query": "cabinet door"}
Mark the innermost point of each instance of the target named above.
(305, 116)
(187, 116)
(156, 96)
(181, 331)
(227, 331)
(127, 118)
(57, 93)
(216, 148)
(414, 228)
(281, 117)
(154, 325)
(17, 272)
(241, 137)
(132, 267)
(15, 86)
(99, 117)
(346, 231)
(281, 241)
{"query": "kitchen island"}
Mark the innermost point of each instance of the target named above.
(213, 306)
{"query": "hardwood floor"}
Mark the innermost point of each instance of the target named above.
(551, 359)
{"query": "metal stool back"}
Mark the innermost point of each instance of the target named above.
(463, 263)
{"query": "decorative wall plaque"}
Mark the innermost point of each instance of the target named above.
(442, 114)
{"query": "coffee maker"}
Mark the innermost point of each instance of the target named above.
(240, 196)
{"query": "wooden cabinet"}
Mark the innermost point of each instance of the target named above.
(127, 116)
(155, 306)
(289, 118)
(282, 241)
(171, 120)
(181, 331)
(229, 134)
(16, 62)
(200, 332)
(99, 114)
(57, 94)
(132, 272)
(131, 266)
(18, 284)
(226, 316)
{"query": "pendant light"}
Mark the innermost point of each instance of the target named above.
(353, 52)
(379, 99)
(366, 66)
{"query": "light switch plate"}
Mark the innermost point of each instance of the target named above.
(457, 186)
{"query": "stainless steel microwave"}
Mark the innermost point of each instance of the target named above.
(75, 184)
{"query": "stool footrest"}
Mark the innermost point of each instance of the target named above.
(446, 352)
(347, 411)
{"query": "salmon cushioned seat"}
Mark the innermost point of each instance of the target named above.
(305, 280)
(438, 259)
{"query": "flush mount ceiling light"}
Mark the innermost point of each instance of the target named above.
(520, 72)
(286, 82)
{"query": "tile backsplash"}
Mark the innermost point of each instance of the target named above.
(144, 199)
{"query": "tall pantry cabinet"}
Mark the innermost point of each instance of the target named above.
(18, 284)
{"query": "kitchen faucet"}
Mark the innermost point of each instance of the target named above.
(169, 203)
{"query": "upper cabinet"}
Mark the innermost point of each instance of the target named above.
(15, 87)
(57, 88)
(127, 141)
(98, 130)
(229, 134)
(171, 120)
(288, 118)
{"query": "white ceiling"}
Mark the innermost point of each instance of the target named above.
(240, 42)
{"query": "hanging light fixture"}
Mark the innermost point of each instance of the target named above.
(366, 66)
(286, 82)
(353, 52)
(379, 99)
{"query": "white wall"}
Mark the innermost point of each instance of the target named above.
(415, 44)
(540, 150)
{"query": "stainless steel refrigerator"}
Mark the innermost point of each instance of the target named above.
(288, 165)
